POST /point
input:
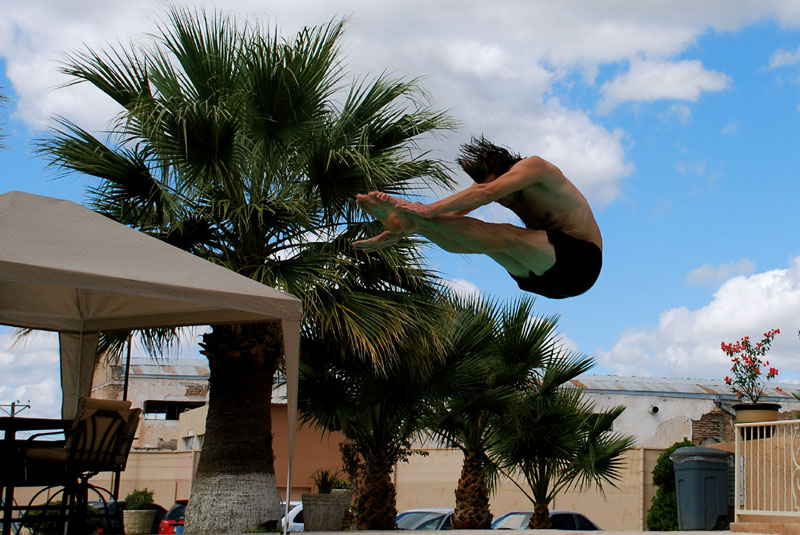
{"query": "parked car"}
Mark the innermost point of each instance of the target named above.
(111, 513)
(566, 520)
(295, 517)
(173, 520)
(425, 518)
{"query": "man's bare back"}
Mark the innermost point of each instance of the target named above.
(551, 201)
(557, 254)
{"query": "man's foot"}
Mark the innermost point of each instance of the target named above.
(383, 207)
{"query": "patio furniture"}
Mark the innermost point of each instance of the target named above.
(98, 440)
(12, 473)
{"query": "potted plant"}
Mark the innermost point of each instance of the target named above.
(325, 511)
(138, 514)
(747, 379)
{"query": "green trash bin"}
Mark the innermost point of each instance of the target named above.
(701, 481)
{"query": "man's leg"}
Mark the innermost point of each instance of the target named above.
(517, 249)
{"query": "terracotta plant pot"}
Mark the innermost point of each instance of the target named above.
(748, 413)
(325, 512)
(138, 521)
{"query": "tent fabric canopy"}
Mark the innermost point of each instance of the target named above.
(66, 268)
(69, 269)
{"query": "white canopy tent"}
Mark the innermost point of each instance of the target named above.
(66, 268)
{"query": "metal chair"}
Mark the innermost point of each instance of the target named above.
(99, 440)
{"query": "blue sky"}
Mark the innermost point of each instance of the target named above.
(678, 119)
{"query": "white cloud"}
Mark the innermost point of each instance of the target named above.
(30, 372)
(591, 156)
(567, 344)
(462, 287)
(491, 65)
(713, 275)
(688, 167)
(483, 60)
(38, 33)
(495, 213)
(681, 112)
(784, 58)
(649, 80)
(686, 343)
(731, 127)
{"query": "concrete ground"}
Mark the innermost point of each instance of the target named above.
(539, 532)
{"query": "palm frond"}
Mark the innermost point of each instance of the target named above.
(120, 73)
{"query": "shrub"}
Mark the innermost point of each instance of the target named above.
(663, 513)
(327, 480)
(38, 520)
(139, 499)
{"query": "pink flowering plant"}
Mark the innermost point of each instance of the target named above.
(747, 379)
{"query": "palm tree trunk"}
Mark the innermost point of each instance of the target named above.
(540, 519)
(472, 495)
(234, 488)
(376, 502)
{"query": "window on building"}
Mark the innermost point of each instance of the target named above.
(192, 443)
(168, 410)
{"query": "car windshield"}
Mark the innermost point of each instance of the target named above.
(584, 524)
(562, 521)
(512, 521)
(419, 520)
(176, 512)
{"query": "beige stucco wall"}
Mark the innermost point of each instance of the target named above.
(654, 429)
(313, 450)
(427, 481)
(430, 481)
(168, 474)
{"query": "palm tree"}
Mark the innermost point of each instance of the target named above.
(556, 439)
(380, 412)
(248, 150)
(495, 350)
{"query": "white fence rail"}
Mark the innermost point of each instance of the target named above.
(767, 476)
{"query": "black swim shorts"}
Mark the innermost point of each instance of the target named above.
(577, 267)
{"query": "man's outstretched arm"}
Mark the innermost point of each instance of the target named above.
(522, 175)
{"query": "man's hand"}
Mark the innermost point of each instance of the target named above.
(382, 240)
(416, 208)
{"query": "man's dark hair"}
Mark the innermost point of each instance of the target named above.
(480, 158)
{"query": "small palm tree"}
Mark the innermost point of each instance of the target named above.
(494, 351)
(248, 149)
(555, 439)
(380, 411)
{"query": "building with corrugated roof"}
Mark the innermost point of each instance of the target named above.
(662, 410)
(164, 389)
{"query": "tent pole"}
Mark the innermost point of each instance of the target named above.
(80, 365)
(115, 490)
(127, 370)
